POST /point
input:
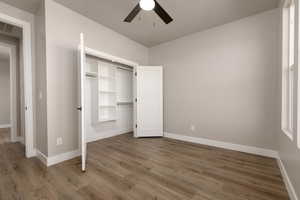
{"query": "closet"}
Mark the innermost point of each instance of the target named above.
(116, 96)
(108, 98)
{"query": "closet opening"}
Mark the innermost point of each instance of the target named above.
(109, 98)
(116, 96)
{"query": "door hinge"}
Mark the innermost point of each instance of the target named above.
(136, 126)
(135, 73)
(79, 108)
(135, 99)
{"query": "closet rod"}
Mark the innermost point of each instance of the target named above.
(91, 76)
(111, 61)
(125, 68)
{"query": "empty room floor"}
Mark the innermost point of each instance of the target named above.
(139, 169)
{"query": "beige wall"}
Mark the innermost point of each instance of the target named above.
(63, 28)
(288, 150)
(223, 81)
(5, 92)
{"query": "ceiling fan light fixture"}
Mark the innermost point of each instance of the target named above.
(147, 4)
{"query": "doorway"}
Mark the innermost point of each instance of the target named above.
(26, 79)
(115, 83)
(10, 114)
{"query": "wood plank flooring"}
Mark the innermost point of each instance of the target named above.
(4, 135)
(124, 168)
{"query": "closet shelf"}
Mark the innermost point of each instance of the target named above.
(106, 91)
(107, 119)
(107, 77)
(107, 106)
(91, 74)
(124, 102)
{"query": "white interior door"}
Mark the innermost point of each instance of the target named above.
(81, 103)
(149, 101)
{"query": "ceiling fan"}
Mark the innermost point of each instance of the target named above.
(149, 5)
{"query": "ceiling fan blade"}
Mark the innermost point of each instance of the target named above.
(133, 13)
(162, 13)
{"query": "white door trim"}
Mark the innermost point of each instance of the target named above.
(81, 105)
(12, 50)
(28, 81)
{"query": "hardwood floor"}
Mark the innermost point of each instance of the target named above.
(4, 135)
(142, 169)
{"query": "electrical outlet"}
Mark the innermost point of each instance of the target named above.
(59, 141)
(192, 127)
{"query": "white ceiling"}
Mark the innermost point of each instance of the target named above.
(190, 16)
(28, 5)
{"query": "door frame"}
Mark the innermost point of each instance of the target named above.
(81, 101)
(28, 80)
(12, 51)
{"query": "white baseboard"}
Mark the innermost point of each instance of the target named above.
(290, 188)
(52, 160)
(19, 139)
(31, 153)
(5, 125)
(103, 135)
(225, 145)
(62, 157)
(41, 157)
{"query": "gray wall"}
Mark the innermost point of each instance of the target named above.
(288, 150)
(223, 81)
(5, 92)
(63, 28)
(41, 85)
